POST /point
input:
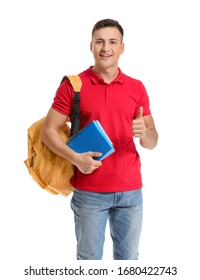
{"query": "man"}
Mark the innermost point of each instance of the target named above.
(111, 189)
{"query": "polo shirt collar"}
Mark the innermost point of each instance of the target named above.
(97, 79)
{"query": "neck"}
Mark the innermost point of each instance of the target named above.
(108, 75)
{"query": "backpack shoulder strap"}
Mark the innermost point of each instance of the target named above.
(76, 83)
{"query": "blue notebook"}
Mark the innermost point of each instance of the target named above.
(92, 138)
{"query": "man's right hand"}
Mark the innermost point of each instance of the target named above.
(86, 163)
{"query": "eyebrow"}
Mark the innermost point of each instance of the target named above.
(111, 39)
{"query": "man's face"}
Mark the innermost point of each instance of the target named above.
(107, 47)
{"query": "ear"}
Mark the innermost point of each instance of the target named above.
(91, 47)
(122, 49)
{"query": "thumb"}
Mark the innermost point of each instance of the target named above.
(139, 113)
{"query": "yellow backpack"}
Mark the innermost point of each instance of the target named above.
(50, 171)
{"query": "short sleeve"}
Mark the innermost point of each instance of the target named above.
(63, 100)
(144, 101)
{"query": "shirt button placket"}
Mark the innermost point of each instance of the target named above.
(108, 95)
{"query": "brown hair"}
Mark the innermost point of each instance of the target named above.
(108, 23)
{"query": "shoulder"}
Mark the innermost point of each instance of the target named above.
(132, 81)
(134, 85)
(85, 74)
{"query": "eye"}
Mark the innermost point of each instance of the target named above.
(99, 42)
(112, 42)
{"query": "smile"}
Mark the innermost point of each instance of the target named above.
(105, 55)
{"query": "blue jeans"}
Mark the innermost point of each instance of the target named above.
(91, 212)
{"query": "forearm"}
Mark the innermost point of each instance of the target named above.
(149, 141)
(51, 138)
(144, 129)
(83, 161)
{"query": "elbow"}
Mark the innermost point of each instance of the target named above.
(43, 136)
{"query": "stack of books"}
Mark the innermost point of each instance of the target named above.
(92, 138)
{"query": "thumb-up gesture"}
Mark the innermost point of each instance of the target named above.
(138, 125)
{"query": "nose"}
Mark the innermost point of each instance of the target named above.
(106, 46)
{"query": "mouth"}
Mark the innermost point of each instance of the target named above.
(105, 55)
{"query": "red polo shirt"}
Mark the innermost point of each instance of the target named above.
(115, 105)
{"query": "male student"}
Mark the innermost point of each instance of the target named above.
(108, 190)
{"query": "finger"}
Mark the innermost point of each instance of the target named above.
(137, 122)
(95, 154)
(137, 135)
(140, 113)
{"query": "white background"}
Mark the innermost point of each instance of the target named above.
(41, 41)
